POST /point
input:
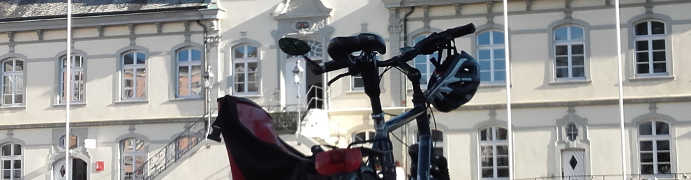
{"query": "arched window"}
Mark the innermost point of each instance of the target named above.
(132, 157)
(11, 157)
(569, 52)
(246, 66)
(133, 75)
(494, 153)
(422, 63)
(12, 82)
(77, 79)
(490, 53)
(654, 147)
(650, 50)
(189, 73)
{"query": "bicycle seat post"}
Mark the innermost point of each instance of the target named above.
(366, 66)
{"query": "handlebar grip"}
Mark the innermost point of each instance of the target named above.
(461, 30)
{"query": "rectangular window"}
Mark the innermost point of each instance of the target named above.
(494, 153)
(490, 55)
(189, 73)
(76, 79)
(246, 69)
(569, 53)
(650, 48)
(133, 76)
(11, 82)
(11, 159)
(654, 148)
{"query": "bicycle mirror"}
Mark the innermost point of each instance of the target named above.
(293, 46)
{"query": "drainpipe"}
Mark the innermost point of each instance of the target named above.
(207, 88)
(405, 44)
(405, 25)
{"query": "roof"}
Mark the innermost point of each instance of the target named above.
(39, 9)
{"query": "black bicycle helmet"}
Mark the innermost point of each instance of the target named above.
(340, 47)
(453, 83)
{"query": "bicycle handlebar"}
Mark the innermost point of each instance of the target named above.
(425, 46)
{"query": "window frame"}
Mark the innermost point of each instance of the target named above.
(12, 158)
(428, 65)
(654, 138)
(245, 61)
(369, 135)
(569, 43)
(189, 64)
(650, 37)
(60, 80)
(491, 47)
(494, 143)
(22, 78)
(134, 67)
(122, 154)
(352, 79)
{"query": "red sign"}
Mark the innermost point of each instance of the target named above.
(99, 165)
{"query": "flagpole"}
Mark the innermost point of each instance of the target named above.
(67, 90)
(621, 92)
(507, 62)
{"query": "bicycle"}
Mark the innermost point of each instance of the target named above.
(454, 82)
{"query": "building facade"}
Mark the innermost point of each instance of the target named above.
(140, 73)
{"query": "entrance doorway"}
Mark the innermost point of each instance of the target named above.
(79, 170)
(573, 164)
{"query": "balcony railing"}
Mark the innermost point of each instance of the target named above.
(162, 159)
(673, 176)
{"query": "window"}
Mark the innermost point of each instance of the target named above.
(423, 64)
(11, 158)
(654, 148)
(316, 50)
(363, 136)
(77, 79)
(490, 47)
(356, 82)
(189, 73)
(650, 52)
(133, 75)
(12, 82)
(569, 52)
(132, 157)
(246, 63)
(494, 153)
(437, 142)
(571, 131)
(184, 144)
(73, 142)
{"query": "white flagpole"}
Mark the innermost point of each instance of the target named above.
(67, 90)
(507, 62)
(621, 92)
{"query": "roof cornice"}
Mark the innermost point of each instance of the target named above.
(94, 20)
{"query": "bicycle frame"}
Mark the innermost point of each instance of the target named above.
(370, 74)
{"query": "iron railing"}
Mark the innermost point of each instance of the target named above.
(672, 176)
(315, 97)
(160, 160)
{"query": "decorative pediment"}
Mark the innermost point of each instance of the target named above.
(572, 130)
(292, 9)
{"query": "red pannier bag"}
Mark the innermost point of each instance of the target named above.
(338, 161)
